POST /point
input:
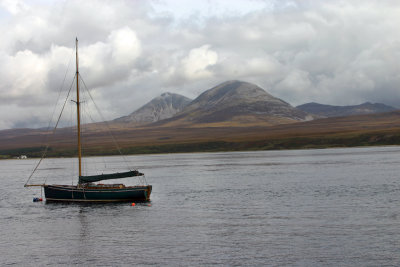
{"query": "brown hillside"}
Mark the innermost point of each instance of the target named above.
(387, 124)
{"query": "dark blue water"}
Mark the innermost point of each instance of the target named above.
(334, 207)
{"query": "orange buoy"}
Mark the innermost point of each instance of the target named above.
(133, 204)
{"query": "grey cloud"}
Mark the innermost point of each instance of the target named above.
(333, 52)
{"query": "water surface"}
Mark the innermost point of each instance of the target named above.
(333, 207)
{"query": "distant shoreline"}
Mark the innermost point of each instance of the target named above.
(363, 140)
(354, 131)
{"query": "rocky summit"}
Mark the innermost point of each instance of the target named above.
(162, 107)
(238, 103)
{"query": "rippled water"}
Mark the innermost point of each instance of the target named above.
(333, 207)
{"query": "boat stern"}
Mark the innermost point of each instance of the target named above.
(148, 192)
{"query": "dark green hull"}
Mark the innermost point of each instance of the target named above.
(68, 193)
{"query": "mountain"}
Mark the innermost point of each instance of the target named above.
(340, 111)
(236, 103)
(162, 107)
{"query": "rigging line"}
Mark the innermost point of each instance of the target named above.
(108, 126)
(58, 97)
(45, 141)
(52, 134)
(46, 137)
(92, 120)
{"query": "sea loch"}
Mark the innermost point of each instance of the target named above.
(332, 207)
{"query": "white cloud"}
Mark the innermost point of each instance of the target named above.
(20, 75)
(13, 6)
(125, 46)
(197, 64)
(334, 52)
(104, 63)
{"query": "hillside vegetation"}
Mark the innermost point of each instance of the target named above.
(364, 130)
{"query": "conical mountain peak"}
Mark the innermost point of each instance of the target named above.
(162, 107)
(240, 103)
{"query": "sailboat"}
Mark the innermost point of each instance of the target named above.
(86, 190)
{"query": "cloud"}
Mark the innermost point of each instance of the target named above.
(104, 63)
(333, 52)
(196, 65)
(13, 6)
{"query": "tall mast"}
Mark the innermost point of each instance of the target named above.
(78, 114)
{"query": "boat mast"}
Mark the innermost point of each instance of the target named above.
(78, 111)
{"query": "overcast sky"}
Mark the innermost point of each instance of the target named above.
(331, 52)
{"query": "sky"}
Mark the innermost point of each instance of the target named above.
(331, 52)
